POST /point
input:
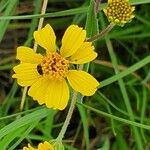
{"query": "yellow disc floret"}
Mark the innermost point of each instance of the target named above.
(54, 65)
(119, 11)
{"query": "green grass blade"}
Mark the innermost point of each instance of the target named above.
(126, 72)
(22, 136)
(9, 11)
(137, 135)
(27, 119)
(125, 121)
(84, 120)
(65, 12)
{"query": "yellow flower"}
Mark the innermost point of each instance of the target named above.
(48, 75)
(119, 11)
(42, 146)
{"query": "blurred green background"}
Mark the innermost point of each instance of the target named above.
(117, 117)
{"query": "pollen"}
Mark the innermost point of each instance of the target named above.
(119, 11)
(54, 66)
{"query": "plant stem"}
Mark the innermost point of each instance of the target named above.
(97, 5)
(43, 10)
(102, 33)
(23, 97)
(67, 121)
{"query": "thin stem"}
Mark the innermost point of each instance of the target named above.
(69, 115)
(23, 97)
(97, 5)
(43, 10)
(102, 33)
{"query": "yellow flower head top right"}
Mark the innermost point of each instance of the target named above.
(119, 11)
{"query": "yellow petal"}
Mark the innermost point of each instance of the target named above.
(26, 74)
(105, 11)
(26, 148)
(72, 40)
(37, 90)
(29, 148)
(46, 38)
(82, 82)
(55, 94)
(84, 54)
(109, 1)
(45, 146)
(41, 146)
(48, 145)
(27, 55)
(132, 8)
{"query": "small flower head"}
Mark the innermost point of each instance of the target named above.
(48, 75)
(119, 11)
(42, 146)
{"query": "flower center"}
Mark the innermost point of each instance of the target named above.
(53, 65)
(119, 11)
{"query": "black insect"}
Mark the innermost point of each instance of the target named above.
(39, 69)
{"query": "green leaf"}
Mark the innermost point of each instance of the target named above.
(9, 11)
(91, 21)
(27, 119)
(106, 145)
